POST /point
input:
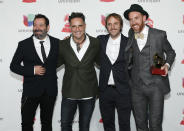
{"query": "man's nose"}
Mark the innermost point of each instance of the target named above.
(113, 26)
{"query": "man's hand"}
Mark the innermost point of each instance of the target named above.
(66, 37)
(166, 68)
(39, 70)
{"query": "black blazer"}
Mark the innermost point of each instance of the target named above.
(119, 68)
(35, 85)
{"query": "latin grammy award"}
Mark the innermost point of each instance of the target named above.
(158, 63)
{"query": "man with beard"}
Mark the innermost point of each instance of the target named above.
(113, 81)
(78, 53)
(38, 54)
(147, 90)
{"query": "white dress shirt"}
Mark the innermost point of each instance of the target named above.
(142, 42)
(112, 51)
(46, 45)
(83, 49)
(37, 46)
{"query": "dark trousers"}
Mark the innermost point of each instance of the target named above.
(68, 110)
(111, 99)
(148, 103)
(28, 111)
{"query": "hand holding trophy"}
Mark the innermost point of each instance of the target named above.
(158, 63)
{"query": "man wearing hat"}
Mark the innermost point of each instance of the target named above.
(148, 90)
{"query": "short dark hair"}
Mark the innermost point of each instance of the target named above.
(117, 16)
(37, 16)
(76, 15)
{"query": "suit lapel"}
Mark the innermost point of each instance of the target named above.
(104, 43)
(33, 48)
(121, 48)
(88, 49)
(51, 48)
(131, 39)
(104, 46)
(149, 39)
(70, 49)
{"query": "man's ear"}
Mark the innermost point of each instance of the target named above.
(48, 27)
(144, 18)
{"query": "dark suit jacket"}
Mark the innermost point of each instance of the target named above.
(158, 44)
(80, 80)
(35, 85)
(119, 68)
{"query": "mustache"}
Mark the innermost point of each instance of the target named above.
(37, 31)
(113, 29)
(135, 25)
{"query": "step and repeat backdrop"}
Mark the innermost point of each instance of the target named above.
(16, 24)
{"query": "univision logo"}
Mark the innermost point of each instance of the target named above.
(28, 20)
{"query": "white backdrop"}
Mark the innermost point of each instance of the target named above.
(164, 14)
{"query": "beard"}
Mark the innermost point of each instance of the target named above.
(40, 35)
(139, 29)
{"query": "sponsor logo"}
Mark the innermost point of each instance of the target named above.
(68, 1)
(182, 121)
(1, 60)
(180, 94)
(182, 62)
(107, 0)
(25, 30)
(1, 118)
(180, 31)
(103, 20)
(150, 22)
(66, 27)
(20, 90)
(102, 30)
(28, 20)
(28, 1)
(148, 1)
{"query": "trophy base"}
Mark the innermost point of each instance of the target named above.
(157, 71)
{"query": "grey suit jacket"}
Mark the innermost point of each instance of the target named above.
(158, 44)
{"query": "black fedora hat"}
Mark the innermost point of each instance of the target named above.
(137, 8)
